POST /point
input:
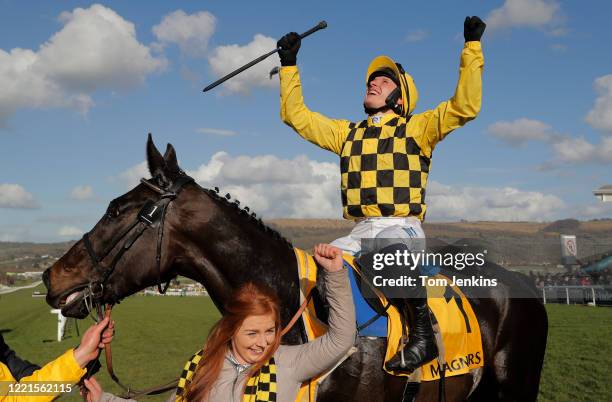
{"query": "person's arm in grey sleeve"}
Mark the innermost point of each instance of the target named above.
(313, 358)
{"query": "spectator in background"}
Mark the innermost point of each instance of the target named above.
(585, 281)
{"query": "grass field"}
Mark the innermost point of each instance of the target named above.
(155, 335)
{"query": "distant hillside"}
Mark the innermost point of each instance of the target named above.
(20, 257)
(508, 243)
(11, 249)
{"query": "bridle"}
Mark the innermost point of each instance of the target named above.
(151, 215)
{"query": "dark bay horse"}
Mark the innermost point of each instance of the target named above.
(168, 226)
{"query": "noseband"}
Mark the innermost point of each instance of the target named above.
(151, 215)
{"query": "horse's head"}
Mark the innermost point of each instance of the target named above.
(129, 248)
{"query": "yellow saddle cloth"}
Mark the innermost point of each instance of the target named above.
(461, 340)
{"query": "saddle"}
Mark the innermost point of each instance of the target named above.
(459, 338)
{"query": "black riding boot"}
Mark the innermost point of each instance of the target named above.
(421, 346)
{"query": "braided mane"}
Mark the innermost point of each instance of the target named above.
(246, 213)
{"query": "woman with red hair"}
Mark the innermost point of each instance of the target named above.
(242, 359)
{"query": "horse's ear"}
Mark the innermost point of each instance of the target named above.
(156, 162)
(170, 159)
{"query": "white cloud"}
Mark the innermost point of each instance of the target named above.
(490, 203)
(578, 150)
(526, 13)
(600, 117)
(9, 237)
(82, 193)
(15, 196)
(131, 177)
(216, 131)
(573, 150)
(191, 32)
(69, 231)
(66, 219)
(95, 49)
(417, 35)
(518, 132)
(565, 149)
(275, 187)
(225, 59)
(12, 233)
(597, 210)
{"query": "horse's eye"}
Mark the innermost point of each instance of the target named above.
(113, 211)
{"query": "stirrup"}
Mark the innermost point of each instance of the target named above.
(404, 366)
(403, 343)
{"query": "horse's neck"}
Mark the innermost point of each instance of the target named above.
(231, 249)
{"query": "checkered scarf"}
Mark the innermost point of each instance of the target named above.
(259, 388)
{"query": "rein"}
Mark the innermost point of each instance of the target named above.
(297, 314)
(108, 354)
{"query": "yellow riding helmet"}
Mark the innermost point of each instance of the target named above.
(410, 95)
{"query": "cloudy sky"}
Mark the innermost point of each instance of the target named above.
(83, 83)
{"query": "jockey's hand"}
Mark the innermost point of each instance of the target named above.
(473, 28)
(92, 341)
(93, 391)
(289, 45)
(329, 257)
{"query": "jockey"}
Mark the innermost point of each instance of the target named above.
(385, 159)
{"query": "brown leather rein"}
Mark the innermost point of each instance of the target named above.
(158, 389)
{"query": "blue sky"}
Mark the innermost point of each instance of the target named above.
(83, 83)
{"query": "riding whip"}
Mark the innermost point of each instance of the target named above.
(319, 26)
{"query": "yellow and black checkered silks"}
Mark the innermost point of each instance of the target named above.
(384, 165)
(259, 388)
(383, 171)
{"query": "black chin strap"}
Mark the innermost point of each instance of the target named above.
(370, 111)
(390, 104)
